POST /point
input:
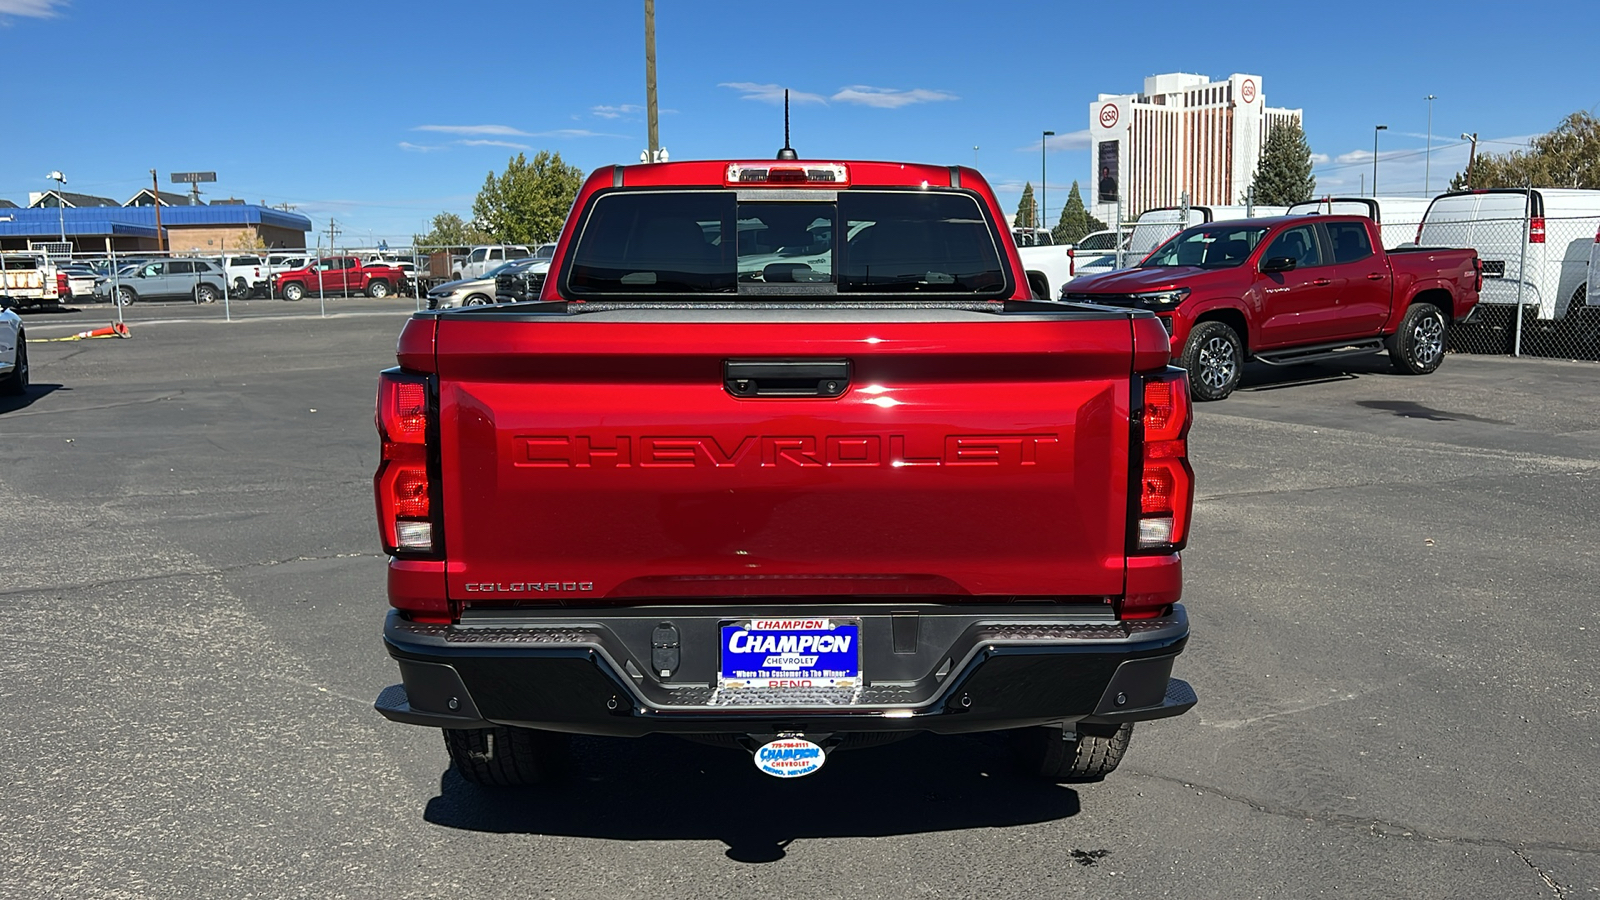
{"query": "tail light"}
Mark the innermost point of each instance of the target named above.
(1477, 270)
(1536, 230)
(63, 287)
(1072, 261)
(1597, 236)
(1418, 238)
(1165, 489)
(408, 513)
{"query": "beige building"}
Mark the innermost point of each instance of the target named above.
(1183, 133)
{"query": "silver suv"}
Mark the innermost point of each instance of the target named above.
(199, 280)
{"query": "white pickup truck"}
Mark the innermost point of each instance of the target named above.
(489, 256)
(30, 278)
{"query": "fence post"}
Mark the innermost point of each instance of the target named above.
(111, 254)
(1522, 273)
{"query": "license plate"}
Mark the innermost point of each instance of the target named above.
(790, 654)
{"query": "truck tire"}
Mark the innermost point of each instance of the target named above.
(378, 289)
(505, 756)
(241, 289)
(1417, 346)
(16, 384)
(1094, 755)
(294, 291)
(1214, 359)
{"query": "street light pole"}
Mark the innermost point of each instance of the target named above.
(1375, 130)
(1044, 181)
(1472, 156)
(1427, 167)
(61, 201)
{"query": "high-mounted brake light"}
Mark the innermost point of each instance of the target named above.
(1166, 482)
(1536, 230)
(788, 174)
(406, 513)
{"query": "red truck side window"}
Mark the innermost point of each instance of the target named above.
(1299, 244)
(1350, 241)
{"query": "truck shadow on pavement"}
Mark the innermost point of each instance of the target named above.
(1262, 377)
(36, 391)
(661, 788)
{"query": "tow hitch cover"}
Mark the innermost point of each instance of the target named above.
(789, 757)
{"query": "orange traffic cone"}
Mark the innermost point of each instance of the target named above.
(116, 329)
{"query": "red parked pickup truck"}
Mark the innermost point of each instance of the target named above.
(339, 275)
(1291, 290)
(784, 456)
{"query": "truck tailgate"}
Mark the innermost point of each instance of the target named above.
(599, 458)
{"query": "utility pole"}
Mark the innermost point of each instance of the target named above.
(1375, 130)
(1472, 155)
(1044, 178)
(155, 195)
(650, 77)
(1427, 167)
(333, 234)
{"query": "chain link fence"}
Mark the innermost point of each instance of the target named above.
(1545, 268)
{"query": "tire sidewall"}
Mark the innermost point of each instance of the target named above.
(293, 291)
(1204, 334)
(1407, 342)
(378, 290)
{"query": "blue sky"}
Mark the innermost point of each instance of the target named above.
(382, 114)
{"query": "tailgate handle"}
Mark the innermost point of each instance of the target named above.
(786, 377)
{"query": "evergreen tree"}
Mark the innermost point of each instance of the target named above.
(1283, 176)
(1025, 215)
(1075, 219)
(1568, 157)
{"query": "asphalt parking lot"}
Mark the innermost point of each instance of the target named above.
(1392, 583)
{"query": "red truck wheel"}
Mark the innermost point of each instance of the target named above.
(294, 290)
(378, 289)
(1214, 359)
(1417, 346)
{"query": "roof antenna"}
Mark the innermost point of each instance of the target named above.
(787, 152)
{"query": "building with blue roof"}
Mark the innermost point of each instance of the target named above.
(205, 229)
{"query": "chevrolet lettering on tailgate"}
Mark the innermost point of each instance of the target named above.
(892, 450)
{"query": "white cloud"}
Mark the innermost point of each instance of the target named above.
(889, 98)
(1320, 159)
(770, 93)
(616, 112)
(416, 148)
(1072, 140)
(1354, 156)
(574, 133)
(505, 130)
(33, 9)
(479, 142)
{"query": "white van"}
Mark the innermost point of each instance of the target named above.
(1154, 226)
(1397, 217)
(1555, 224)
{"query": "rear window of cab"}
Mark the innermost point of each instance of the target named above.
(858, 243)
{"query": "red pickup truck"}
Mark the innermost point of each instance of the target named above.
(338, 275)
(1291, 290)
(784, 456)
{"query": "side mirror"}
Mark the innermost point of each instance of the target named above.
(1278, 264)
(7, 302)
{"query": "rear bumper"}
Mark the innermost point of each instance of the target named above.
(926, 668)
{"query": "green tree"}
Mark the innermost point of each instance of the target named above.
(1025, 215)
(449, 230)
(1075, 220)
(1568, 157)
(1283, 176)
(529, 201)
